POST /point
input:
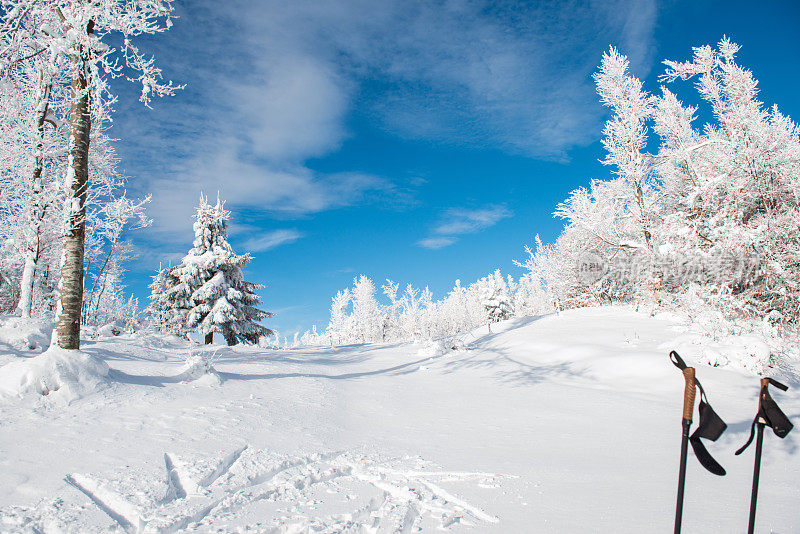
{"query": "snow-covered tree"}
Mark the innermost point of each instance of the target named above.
(415, 303)
(106, 252)
(34, 97)
(69, 35)
(32, 101)
(367, 316)
(625, 136)
(161, 310)
(340, 327)
(211, 287)
(495, 297)
(709, 223)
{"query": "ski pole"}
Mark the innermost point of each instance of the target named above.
(751, 525)
(688, 408)
(768, 414)
(710, 426)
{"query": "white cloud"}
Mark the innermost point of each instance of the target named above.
(287, 191)
(465, 221)
(271, 240)
(434, 243)
(291, 109)
(457, 221)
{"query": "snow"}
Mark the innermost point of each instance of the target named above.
(557, 423)
(61, 375)
(21, 335)
(109, 330)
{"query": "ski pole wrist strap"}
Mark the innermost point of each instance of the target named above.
(710, 425)
(769, 413)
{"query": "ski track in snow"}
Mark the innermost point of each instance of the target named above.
(198, 494)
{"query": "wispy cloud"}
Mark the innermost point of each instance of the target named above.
(271, 240)
(457, 221)
(434, 243)
(465, 221)
(287, 191)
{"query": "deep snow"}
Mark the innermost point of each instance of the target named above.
(563, 423)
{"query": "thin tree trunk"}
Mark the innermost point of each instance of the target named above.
(91, 298)
(68, 314)
(642, 216)
(38, 208)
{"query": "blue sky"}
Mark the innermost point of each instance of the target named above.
(417, 141)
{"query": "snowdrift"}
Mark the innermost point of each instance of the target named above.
(64, 375)
(199, 369)
(21, 334)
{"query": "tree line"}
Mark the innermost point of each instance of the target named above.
(703, 219)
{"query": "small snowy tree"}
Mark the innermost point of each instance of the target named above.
(414, 303)
(495, 297)
(166, 309)
(367, 316)
(339, 328)
(211, 287)
(107, 251)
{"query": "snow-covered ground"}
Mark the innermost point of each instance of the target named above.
(567, 423)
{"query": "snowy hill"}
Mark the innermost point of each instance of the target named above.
(562, 423)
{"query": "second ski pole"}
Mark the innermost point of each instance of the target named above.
(768, 415)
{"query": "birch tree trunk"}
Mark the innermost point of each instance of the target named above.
(68, 312)
(37, 208)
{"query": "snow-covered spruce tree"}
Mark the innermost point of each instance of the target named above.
(211, 287)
